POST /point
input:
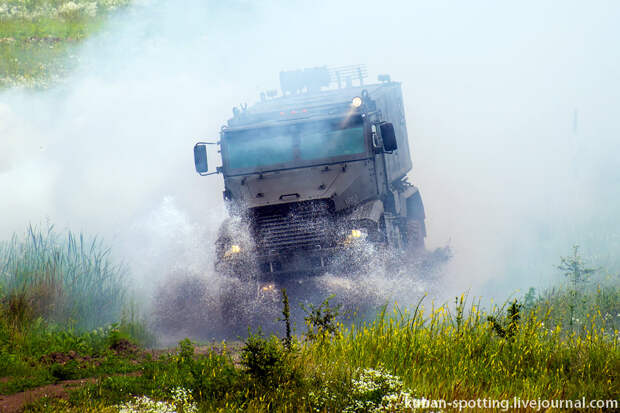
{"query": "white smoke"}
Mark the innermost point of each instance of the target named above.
(490, 92)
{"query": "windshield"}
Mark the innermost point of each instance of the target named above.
(307, 141)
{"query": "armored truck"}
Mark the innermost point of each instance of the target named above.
(314, 171)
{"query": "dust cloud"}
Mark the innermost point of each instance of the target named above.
(512, 113)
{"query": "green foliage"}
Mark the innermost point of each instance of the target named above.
(36, 352)
(508, 327)
(529, 301)
(62, 280)
(39, 39)
(578, 275)
(264, 359)
(53, 292)
(66, 371)
(526, 348)
(575, 269)
(286, 314)
(384, 365)
(590, 300)
(17, 309)
(321, 321)
(459, 304)
(207, 376)
(443, 358)
(112, 389)
(137, 332)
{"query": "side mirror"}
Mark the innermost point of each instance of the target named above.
(388, 136)
(200, 158)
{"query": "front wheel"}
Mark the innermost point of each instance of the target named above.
(414, 234)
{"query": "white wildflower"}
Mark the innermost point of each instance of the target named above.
(182, 401)
(90, 8)
(376, 390)
(73, 11)
(145, 404)
(112, 4)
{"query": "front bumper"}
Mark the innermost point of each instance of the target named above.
(289, 264)
(341, 259)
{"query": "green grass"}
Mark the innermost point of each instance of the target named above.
(454, 356)
(39, 39)
(558, 344)
(434, 353)
(598, 303)
(63, 279)
(36, 353)
(63, 311)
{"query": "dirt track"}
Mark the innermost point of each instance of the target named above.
(15, 402)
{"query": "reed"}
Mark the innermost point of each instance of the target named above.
(68, 278)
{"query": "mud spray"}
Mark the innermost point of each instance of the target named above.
(511, 110)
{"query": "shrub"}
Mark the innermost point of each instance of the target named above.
(66, 371)
(264, 359)
(321, 320)
(578, 275)
(507, 328)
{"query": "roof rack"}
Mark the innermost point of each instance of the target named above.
(347, 74)
(313, 79)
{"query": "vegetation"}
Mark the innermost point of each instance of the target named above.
(458, 352)
(384, 365)
(589, 299)
(62, 279)
(39, 38)
(63, 311)
(36, 353)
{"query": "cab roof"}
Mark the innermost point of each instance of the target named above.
(324, 103)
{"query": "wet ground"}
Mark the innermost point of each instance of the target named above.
(212, 308)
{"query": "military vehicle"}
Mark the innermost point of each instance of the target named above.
(311, 173)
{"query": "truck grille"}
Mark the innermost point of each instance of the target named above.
(304, 225)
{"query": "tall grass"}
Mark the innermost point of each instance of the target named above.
(458, 354)
(63, 279)
(441, 354)
(574, 312)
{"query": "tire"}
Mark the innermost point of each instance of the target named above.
(415, 234)
(415, 228)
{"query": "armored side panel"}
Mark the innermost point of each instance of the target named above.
(389, 100)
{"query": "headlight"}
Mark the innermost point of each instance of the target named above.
(356, 102)
(233, 250)
(355, 235)
(268, 287)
